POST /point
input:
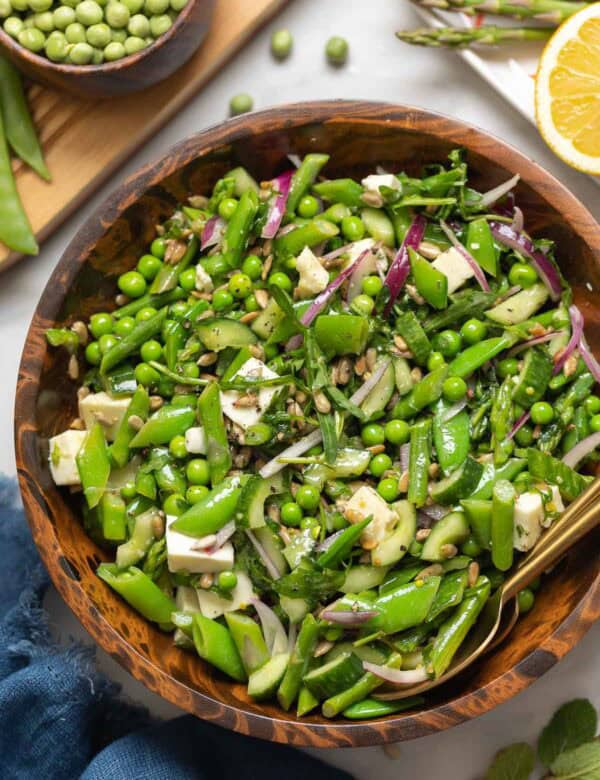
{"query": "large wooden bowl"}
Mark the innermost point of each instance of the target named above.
(130, 74)
(358, 136)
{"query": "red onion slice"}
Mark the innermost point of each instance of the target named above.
(519, 423)
(222, 536)
(405, 456)
(521, 243)
(281, 187)
(435, 511)
(326, 543)
(366, 268)
(295, 160)
(337, 252)
(397, 676)
(275, 637)
(348, 618)
(581, 450)
(492, 196)
(363, 391)
(589, 359)
(518, 220)
(270, 566)
(400, 267)
(532, 343)
(576, 318)
(212, 232)
(474, 265)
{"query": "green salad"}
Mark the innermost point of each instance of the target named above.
(323, 421)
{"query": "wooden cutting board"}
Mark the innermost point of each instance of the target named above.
(85, 141)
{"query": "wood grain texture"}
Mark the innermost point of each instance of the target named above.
(358, 136)
(86, 140)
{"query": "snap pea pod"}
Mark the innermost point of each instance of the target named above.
(184, 621)
(145, 485)
(307, 701)
(478, 512)
(138, 406)
(357, 692)
(131, 343)
(450, 594)
(211, 513)
(113, 515)
(299, 661)
(168, 276)
(217, 446)
(511, 469)
(411, 330)
(163, 425)
(501, 420)
(424, 393)
(238, 229)
(214, 644)
(419, 461)
(18, 125)
(406, 606)
(303, 178)
(451, 438)
(174, 337)
(170, 478)
(408, 641)
(480, 244)
(346, 191)
(249, 640)
(93, 465)
(373, 708)
(470, 303)
(545, 467)
(472, 358)
(63, 337)
(135, 548)
(502, 526)
(341, 334)
(452, 633)
(431, 283)
(339, 550)
(140, 592)
(15, 230)
(314, 232)
(149, 301)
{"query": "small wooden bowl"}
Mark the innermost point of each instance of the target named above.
(130, 74)
(358, 136)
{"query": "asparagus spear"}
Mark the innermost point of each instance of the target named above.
(551, 11)
(490, 35)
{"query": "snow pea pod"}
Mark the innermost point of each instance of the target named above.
(480, 244)
(501, 420)
(299, 661)
(450, 594)
(19, 127)
(145, 485)
(303, 178)
(478, 512)
(372, 708)
(213, 512)
(307, 701)
(424, 393)
(174, 337)
(341, 334)
(168, 276)
(217, 446)
(238, 229)
(470, 303)
(419, 460)
(140, 592)
(502, 527)
(549, 469)
(15, 230)
(63, 337)
(214, 644)
(357, 692)
(311, 234)
(341, 547)
(133, 341)
(509, 471)
(93, 465)
(472, 358)
(346, 191)
(138, 406)
(113, 516)
(451, 437)
(163, 425)
(431, 283)
(249, 640)
(404, 607)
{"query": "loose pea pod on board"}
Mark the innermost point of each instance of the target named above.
(15, 230)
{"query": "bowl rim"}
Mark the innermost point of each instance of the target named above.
(106, 68)
(297, 732)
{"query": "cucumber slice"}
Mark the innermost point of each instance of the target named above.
(460, 484)
(300, 546)
(263, 683)
(411, 330)
(243, 181)
(251, 508)
(374, 653)
(395, 546)
(268, 320)
(295, 609)
(431, 283)
(378, 225)
(349, 463)
(273, 545)
(379, 397)
(334, 676)
(219, 333)
(363, 577)
(533, 380)
(520, 306)
(402, 376)
(451, 529)
(479, 516)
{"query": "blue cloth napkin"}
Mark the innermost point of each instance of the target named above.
(60, 719)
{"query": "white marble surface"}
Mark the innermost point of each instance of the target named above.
(384, 69)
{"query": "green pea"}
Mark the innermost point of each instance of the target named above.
(5, 9)
(473, 331)
(251, 304)
(32, 39)
(592, 404)
(159, 245)
(307, 497)
(146, 313)
(187, 279)
(454, 389)
(151, 350)
(179, 310)
(29, 23)
(397, 431)
(240, 286)
(448, 342)
(133, 6)
(174, 505)
(191, 370)
(131, 283)
(116, 51)
(117, 15)
(222, 299)
(139, 26)
(507, 367)
(149, 266)
(128, 491)
(362, 304)
(177, 447)
(523, 275)
(196, 493)
(98, 35)
(159, 25)
(227, 580)
(12, 26)
(20, 5)
(281, 280)
(44, 21)
(380, 464)
(92, 353)
(526, 600)
(291, 514)
(336, 50)
(282, 44)
(542, 413)
(227, 208)
(308, 207)
(339, 522)
(310, 524)
(63, 16)
(89, 12)
(156, 7)
(524, 436)
(372, 435)
(57, 48)
(39, 6)
(371, 285)
(595, 423)
(353, 228)
(435, 360)
(75, 33)
(240, 104)
(178, 5)
(198, 472)
(471, 547)
(146, 375)
(252, 267)
(107, 341)
(101, 323)
(388, 489)
(124, 326)
(81, 53)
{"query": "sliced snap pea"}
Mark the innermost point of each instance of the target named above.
(15, 230)
(502, 527)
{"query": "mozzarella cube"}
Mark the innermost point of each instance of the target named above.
(100, 407)
(186, 553)
(554, 506)
(213, 606)
(203, 283)
(363, 503)
(195, 441)
(528, 517)
(373, 182)
(454, 267)
(313, 277)
(245, 416)
(63, 451)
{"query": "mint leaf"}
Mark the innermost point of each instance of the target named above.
(514, 762)
(580, 763)
(571, 725)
